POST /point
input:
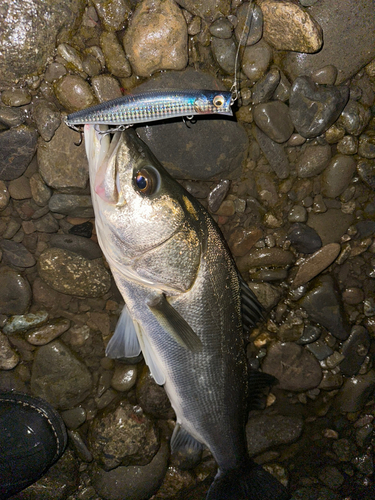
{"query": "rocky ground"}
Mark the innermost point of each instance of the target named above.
(291, 184)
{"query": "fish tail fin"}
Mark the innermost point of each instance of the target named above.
(248, 482)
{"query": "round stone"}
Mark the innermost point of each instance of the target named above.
(15, 292)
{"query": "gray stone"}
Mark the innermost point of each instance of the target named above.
(113, 15)
(254, 25)
(217, 195)
(264, 89)
(11, 117)
(310, 334)
(315, 492)
(355, 392)
(256, 60)
(326, 75)
(314, 108)
(16, 254)
(17, 147)
(304, 238)
(72, 274)
(366, 147)
(19, 189)
(77, 244)
(330, 225)
(348, 50)
(22, 322)
(124, 377)
(40, 192)
(221, 28)
(106, 88)
(366, 171)
(76, 205)
(9, 358)
(46, 224)
(45, 334)
(74, 418)
(115, 58)
(274, 120)
(220, 145)
(59, 377)
(323, 304)
(337, 175)
(354, 117)
(47, 118)
(294, 367)
(355, 350)
(320, 349)
(313, 160)
(274, 153)
(15, 292)
(264, 431)
(152, 397)
(224, 52)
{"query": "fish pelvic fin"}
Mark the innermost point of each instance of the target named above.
(247, 482)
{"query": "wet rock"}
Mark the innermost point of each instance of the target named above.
(352, 295)
(256, 60)
(348, 145)
(221, 28)
(274, 120)
(124, 377)
(152, 397)
(79, 446)
(242, 240)
(265, 257)
(11, 117)
(254, 25)
(16, 97)
(72, 274)
(9, 359)
(156, 38)
(224, 52)
(326, 75)
(16, 254)
(84, 229)
(175, 481)
(133, 482)
(47, 118)
(264, 431)
(349, 54)
(355, 350)
(304, 238)
(106, 88)
(355, 392)
(74, 418)
(354, 117)
(37, 25)
(264, 89)
(123, 436)
(113, 14)
(48, 297)
(114, 55)
(274, 153)
(366, 147)
(322, 303)
(39, 191)
(74, 93)
(61, 163)
(59, 377)
(332, 477)
(366, 171)
(4, 196)
(77, 244)
(313, 160)
(330, 225)
(19, 189)
(45, 334)
(22, 322)
(320, 349)
(310, 334)
(75, 205)
(17, 147)
(314, 108)
(71, 56)
(315, 264)
(337, 176)
(220, 145)
(315, 492)
(295, 368)
(46, 224)
(217, 194)
(15, 292)
(289, 27)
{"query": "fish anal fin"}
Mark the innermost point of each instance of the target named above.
(259, 385)
(124, 341)
(174, 324)
(251, 309)
(184, 444)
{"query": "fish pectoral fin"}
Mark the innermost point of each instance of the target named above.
(259, 383)
(174, 324)
(183, 442)
(124, 342)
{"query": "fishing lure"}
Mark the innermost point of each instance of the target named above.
(151, 106)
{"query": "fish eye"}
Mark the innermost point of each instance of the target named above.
(146, 181)
(218, 101)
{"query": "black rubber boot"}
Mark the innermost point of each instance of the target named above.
(32, 438)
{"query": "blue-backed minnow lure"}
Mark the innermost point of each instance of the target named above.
(153, 105)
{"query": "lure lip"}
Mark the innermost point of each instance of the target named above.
(153, 105)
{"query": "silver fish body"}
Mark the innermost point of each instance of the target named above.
(183, 306)
(153, 105)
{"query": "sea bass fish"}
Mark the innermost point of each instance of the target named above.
(183, 306)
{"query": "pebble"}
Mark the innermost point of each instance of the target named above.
(366, 147)
(256, 60)
(19, 189)
(156, 38)
(337, 175)
(319, 349)
(61, 163)
(16, 97)
(313, 160)
(47, 119)
(16, 254)
(326, 75)
(12, 227)
(71, 56)
(282, 92)
(224, 53)
(206, 9)
(45, 334)
(222, 28)
(106, 88)
(4, 195)
(289, 27)
(76, 205)
(354, 117)
(274, 120)
(17, 148)
(74, 418)
(348, 145)
(77, 244)
(294, 367)
(274, 153)
(195, 26)
(40, 192)
(242, 240)
(352, 295)
(265, 431)
(123, 436)
(315, 264)
(79, 446)
(332, 477)
(355, 392)
(264, 89)
(54, 71)
(22, 322)
(254, 24)
(85, 229)
(330, 225)
(310, 334)
(314, 108)
(113, 14)
(135, 482)
(9, 358)
(55, 361)
(366, 171)
(355, 350)
(304, 238)
(11, 117)
(114, 55)
(323, 304)
(74, 93)
(124, 377)
(152, 397)
(264, 258)
(91, 65)
(348, 58)
(72, 274)
(15, 292)
(217, 194)
(46, 224)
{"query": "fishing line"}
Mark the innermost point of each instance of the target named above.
(234, 89)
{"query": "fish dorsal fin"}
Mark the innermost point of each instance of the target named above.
(250, 307)
(151, 359)
(174, 324)
(124, 342)
(183, 442)
(259, 383)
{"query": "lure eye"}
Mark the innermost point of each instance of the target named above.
(218, 101)
(145, 181)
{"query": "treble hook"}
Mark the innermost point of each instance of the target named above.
(80, 138)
